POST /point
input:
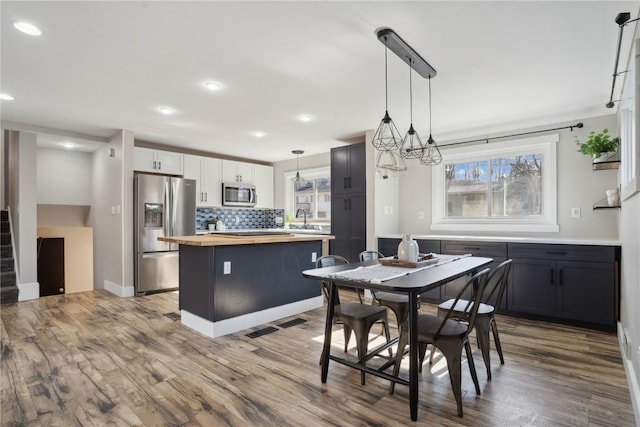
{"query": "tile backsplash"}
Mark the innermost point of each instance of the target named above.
(239, 218)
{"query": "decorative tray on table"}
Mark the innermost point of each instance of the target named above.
(423, 260)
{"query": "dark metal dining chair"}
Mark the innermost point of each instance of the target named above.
(356, 317)
(485, 320)
(398, 303)
(450, 334)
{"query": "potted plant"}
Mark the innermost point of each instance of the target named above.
(598, 144)
(212, 224)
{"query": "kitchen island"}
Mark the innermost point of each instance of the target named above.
(229, 283)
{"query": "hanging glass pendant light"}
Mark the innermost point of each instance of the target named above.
(387, 136)
(431, 153)
(411, 147)
(297, 179)
(389, 162)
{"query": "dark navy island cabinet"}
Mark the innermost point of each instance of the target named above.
(574, 284)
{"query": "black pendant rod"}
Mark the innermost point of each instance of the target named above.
(622, 19)
(393, 41)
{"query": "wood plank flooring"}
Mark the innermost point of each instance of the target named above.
(94, 359)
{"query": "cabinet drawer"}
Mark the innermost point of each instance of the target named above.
(489, 249)
(562, 252)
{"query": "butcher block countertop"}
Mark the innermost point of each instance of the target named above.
(223, 240)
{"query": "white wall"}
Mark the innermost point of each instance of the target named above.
(113, 233)
(64, 177)
(578, 185)
(22, 201)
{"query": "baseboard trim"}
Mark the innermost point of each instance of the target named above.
(28, 291)
(632, 377)
(121, 291)
(235, 324)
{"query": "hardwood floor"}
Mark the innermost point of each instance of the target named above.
(96, 359)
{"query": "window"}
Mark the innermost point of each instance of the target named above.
(312, 193)
(506, 186)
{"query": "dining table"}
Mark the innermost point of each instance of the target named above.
(413, 282)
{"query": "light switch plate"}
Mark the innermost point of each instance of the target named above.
(575, 212)
(227, 267)
(314, 256)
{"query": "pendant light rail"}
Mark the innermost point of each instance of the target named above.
(405, 52)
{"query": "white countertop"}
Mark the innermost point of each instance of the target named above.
(286, 230)
(549, 240)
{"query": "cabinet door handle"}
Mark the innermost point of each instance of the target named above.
(560, 277)
(159, 165)
(344, 182)
(556, 252)
(349, 204)
(206, 197)
(154, 164)
(551, 275)
(345, 204)
(349, 182)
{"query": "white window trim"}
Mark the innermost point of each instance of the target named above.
(629, 130)
(547, 222)
(306, 174)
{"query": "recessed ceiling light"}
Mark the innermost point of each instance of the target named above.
(305, 117)
(166, 110)
(27, 28)
(6, 97)
(258, 133)
(213, 86)
(67, 145)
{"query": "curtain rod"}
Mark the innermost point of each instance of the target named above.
(486, 140)
(622, 19)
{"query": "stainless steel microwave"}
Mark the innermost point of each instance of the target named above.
(239, 194)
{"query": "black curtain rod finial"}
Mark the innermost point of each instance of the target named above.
(610, 104)
(622, 18)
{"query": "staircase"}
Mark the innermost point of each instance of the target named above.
(8, 287)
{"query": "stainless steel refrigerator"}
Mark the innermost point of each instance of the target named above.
(163, 206)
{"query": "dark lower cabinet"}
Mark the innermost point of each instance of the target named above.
(574, 284)
(531, 287)
(348, 225)
(495, 250)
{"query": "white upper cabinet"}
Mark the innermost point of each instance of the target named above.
(207, 173)
(233, 171)
(264, 185)
(157, 161)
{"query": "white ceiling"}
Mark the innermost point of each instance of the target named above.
(103, 66)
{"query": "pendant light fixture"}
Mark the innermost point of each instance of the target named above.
(389, 162)
(297, 153)
(431, 153)
(412, 147)
(387, 136)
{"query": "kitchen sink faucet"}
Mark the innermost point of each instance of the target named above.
(305, 216)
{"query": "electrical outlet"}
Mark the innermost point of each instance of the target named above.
(314, 256)
(575, 212)
(386, 210)
(227, 267)
(113, 210)
(237, 220)
(118, 209)
(420, 214)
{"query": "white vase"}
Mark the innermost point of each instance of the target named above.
(220, 225)
(408, 249)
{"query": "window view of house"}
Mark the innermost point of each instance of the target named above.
(314, 196)
(500, 187)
